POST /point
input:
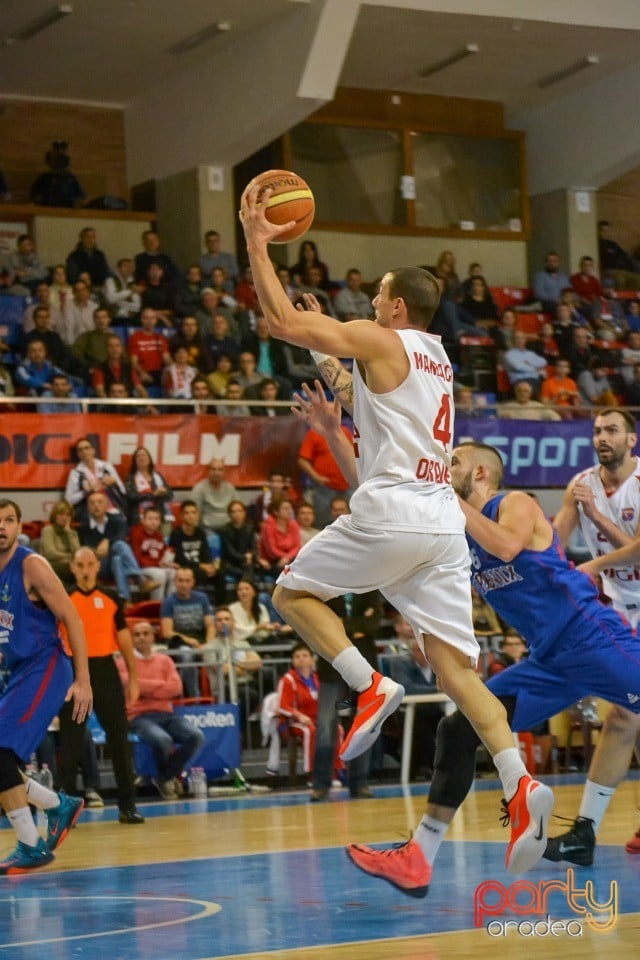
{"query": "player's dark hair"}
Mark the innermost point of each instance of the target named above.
(497, 463)
(11, 503)
(629, 419)
(420, 292)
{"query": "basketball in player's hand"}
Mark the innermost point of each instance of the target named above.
(291, 199)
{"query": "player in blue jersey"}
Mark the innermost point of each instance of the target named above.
(41, 679)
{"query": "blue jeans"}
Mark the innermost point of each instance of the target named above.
(123, 565)
(326, 735)
(174, 741)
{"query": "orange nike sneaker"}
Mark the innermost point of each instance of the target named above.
(375, 704)
(404, 866)
(528, 812)
(633, 845)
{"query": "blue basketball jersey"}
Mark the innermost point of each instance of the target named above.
(27, 629)
(541, 594)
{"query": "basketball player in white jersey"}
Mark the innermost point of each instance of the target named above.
(405, 534)
(605, 502)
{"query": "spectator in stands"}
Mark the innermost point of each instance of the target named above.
(513, 650)
(633, 315)
(116, 369)
(122, 293)
(503, 333)
(308, 256)
(211, 306)
(564, 326)
(291, 289)
(616, 262)
(587, 286)
(545, 345)
(445, 269)
(269, 355)
(175, 742)
(148, 349)
(216, 257)
(351, 302)
(237, 544)
(28, 270)
(221, 340)
(61, 389)
(151, 552)
(631, 391)
(91, 348)
(92, 475)
(579, 353)
(549, 283)
(189, 290)
(479, 303)
(60, 290)
(57, 353)
(278, 488)
(524, 407)
(594, 386)
(306, 521)
(59, 541)
(248, 375)
(466, 403)
(246, 292)
(610, 322)
(630, 357)
(300, 366)
(235, 656)
(475, 270)
(159, 293)
(152, 254)
(191, 547)
(522, 364)
(279, 538)
(213, 495)
(250, 617)
(87, 257)
(118, 390)
(146, 487)
(78, 313)
(224, 287)
(178, 376)
(201, 392)
(106, 534)
(57, 186)
(269, 391)
(311, 284)
(234, 392)
(35, 373)
(42, 299)
(219, 378)
(559, 389)
(186, 624)
(188, 335)
(485, 620)
(106, 629)
(318, 463)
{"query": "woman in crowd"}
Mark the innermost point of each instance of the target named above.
(146, 488)
(237, 543)
(189, 336)
(58, 541)
(446, 269)
(479, 303)
(93, 475)
(250, 617)
(279, 537)
(308, 257)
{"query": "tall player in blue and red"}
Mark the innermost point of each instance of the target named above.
(41, 679)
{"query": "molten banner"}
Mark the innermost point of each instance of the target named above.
(36, 450)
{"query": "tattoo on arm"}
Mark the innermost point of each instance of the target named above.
(339, 381)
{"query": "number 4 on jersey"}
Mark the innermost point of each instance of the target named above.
(442, 422)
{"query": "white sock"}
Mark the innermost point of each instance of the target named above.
(24, 826)
(595, 800)
(429, 834)
(510, 768)
(41, 797)
(354, 669)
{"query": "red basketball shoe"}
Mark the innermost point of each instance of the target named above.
(528, 812)
(404, 865)
(633, 845)
(375, 704)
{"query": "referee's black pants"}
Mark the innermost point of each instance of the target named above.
(109, 707)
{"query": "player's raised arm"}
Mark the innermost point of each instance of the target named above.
(313, 407)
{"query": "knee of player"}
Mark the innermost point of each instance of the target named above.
(622, 722)
(283, 599)
(455, 735)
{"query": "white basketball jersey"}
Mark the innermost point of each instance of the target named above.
(403, 441)
(622, 507)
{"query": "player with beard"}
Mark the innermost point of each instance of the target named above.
(605, 502)
(41, 679)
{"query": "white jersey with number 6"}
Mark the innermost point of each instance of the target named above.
(403, 442)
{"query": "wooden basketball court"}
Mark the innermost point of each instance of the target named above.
(267, 877)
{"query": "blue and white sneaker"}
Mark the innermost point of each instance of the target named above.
(25, 858)
(60, 819)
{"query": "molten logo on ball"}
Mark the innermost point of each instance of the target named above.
(291, 199)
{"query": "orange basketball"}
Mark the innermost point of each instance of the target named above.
(291, 199)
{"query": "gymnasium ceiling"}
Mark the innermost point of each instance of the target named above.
(113, 51)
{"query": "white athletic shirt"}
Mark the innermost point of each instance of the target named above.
(622, 507)
(403, 441)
